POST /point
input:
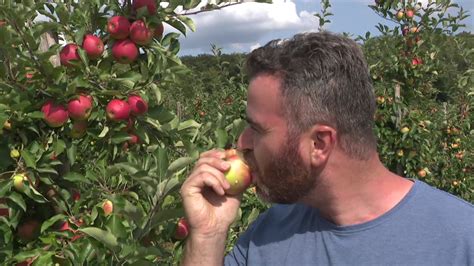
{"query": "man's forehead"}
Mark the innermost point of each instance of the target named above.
(264, 99)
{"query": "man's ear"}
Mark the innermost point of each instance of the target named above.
(323, 140)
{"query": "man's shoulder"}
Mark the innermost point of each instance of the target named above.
(443, 206)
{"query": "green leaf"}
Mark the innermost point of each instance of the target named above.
(18, 200)
(179, 164)
(29, 159)
(36, 114)
(100, 235)
(48, 223)
(59, 146)
(130, 168)
(188, 22)
(116, 227)
(71, 153)
(76, 178)
(120, 137)
(45, 259)
(221, 137)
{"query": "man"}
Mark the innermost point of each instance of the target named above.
(312, 151)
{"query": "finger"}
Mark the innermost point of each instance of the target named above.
(219, 175)
(216, 153)
(198, 181)
(217, 163)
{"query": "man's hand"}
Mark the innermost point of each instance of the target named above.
(209, 211)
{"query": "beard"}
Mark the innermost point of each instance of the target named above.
(285, 179)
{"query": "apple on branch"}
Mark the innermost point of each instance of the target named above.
(80, 107)
(118, 110)
(93, 46)
(54, 115)
(118, 27)
(124, 51)
(137, 104)
(149, 4)
(68, 54)
(140, 33)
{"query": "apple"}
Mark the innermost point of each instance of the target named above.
(422, 173)
(118, 110)
(93, 46)
(140, 33)
(2, 22)
(4, 212)
(7, 125)
(19, 182)
(410, 13)
(80, 107)
(380, 99)
(405, 130)
(150, 5)
(414, 29)
(238, 175)
(65, 226)
(29, 230)
(182, 229)
(108, 207)
(400, 15)
(124, 51)
(76, 195)
(14, 153)
(54, 115)
(400, 153)
(118, 27)
(158, 31)
(134, 139)
(79, 129)
(416, 61)
(68, 54)
(138, 106)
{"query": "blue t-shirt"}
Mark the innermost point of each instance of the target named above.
(428, 227)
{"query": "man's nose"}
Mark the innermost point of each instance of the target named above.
(244, 143)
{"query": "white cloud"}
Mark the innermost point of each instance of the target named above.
(241, 27)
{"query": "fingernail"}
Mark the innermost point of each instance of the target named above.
(225, 165)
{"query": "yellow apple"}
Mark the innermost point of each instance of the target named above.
(238, 175)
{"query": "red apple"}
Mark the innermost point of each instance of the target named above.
(65, 226)
(134, 139)
(118, 110)
(238, 175)
(158, 31)
(140, 33)
(93, 46)
(108, 207)
(2, 22)
(137, 104)
(150, 5)
(125, 51)
(54, 115)
(29, 230)
(79, 129)
(410, 13)
(76, 195)
(118, 27)
(68, 54)
(416, 61)
(182, 229)
(80, 107)
(5, 212)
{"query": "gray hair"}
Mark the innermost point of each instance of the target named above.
(324, 80)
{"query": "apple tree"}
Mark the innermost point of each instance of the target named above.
(91, 157)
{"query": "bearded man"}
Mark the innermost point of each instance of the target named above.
(312, 152)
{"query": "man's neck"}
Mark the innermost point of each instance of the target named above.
(350, 192)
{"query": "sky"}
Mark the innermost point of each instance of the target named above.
(244, 27)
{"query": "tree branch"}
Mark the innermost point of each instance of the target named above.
(210, 9)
